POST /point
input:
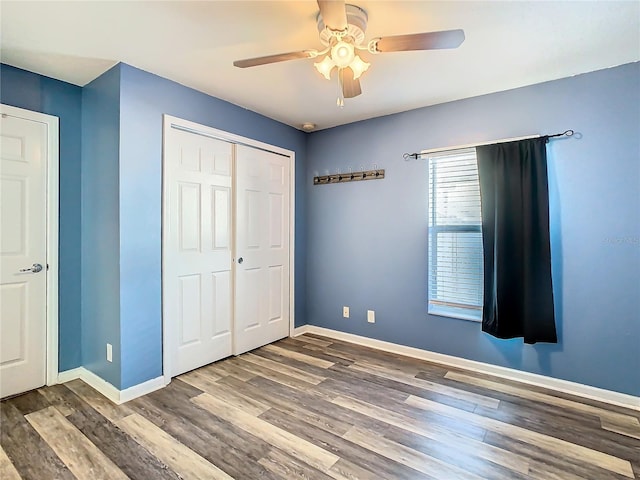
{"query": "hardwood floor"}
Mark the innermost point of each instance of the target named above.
(317, 408)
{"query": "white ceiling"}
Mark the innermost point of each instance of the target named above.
(508, 44)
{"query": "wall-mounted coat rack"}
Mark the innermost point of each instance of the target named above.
(349, 177)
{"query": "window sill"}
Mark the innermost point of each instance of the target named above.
(457, 313)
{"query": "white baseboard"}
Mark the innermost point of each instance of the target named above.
(142, 389)
(302, 330)
(105, 388)
(68, 375)
(564, 386)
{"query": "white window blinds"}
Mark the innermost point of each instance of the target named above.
(455, 238)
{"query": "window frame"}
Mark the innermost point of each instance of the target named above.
(434, 306)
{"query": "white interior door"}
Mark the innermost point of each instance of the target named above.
(23, 227)
(197, 276)
(262, 248)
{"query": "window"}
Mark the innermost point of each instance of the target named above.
(455, 237)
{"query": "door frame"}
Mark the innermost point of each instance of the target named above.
(52, 229)
(169, 122)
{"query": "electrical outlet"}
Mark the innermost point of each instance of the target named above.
(109, 352)
(345, 312)
(371, 316)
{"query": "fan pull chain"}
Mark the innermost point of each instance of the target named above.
(340, 100)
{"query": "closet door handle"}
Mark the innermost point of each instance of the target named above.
(240, 260)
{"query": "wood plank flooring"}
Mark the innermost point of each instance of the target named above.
(316, 408)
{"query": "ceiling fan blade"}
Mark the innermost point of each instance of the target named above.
(281, 57)
(350, 86)
(421, 41)
(334, 13)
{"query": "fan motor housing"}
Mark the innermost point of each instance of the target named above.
(356, 26)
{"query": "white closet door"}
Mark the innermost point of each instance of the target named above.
(23, 274)
(262, 248)
(198, 249)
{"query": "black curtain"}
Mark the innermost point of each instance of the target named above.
(518, 292)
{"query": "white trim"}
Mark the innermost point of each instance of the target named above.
(53, 214)
(141, 389)
(471, 145)
(292, 241)
(167, 122)
(303, 329)
(564, 386)
(93, 380)
(68, 375)
(106, 389)
(166, 328)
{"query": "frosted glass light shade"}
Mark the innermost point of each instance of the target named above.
(359, 66)
(325, 66)
(342, 54)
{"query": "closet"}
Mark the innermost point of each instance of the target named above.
(226, 246)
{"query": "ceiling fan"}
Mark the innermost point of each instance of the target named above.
(342, 27)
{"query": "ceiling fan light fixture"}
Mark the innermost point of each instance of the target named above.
(342, 27)
(342, 53)
(325, 66)
(358, 66)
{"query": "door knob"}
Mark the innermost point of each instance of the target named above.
(240, 260)
(35, 268)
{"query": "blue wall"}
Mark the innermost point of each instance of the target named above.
(369, 239)
(110, 198)
(23, 89)
(100, 225)
(144, 99)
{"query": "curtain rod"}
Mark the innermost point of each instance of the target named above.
(415, 156)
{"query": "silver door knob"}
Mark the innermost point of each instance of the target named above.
(35, 268)
(240, 260)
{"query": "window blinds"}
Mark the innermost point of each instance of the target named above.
(455, 237)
